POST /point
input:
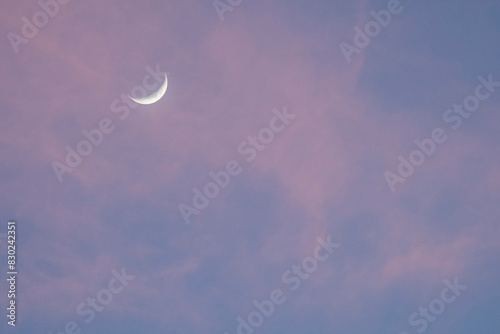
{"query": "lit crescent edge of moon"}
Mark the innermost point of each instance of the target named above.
(156, 96)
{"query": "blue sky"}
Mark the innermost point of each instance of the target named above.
(326, 132)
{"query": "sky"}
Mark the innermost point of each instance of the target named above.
(313, 167)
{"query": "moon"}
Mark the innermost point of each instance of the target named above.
(155, 97)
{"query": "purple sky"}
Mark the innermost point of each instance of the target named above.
(322, 175)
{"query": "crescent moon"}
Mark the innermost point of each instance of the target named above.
(155, 97)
